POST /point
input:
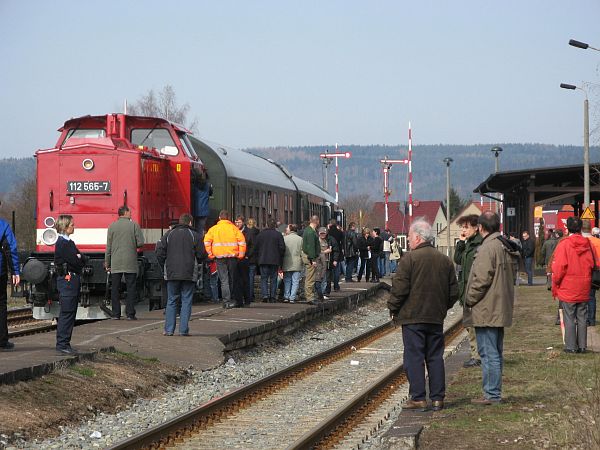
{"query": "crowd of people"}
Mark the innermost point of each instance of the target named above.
(425, 286)
(319, 255)
(425, 283)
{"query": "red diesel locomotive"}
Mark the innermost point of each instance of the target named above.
(149, 164)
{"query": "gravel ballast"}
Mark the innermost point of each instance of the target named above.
(241, 367)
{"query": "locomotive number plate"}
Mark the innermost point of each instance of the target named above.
(88, 186)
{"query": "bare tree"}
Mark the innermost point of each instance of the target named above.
(22, 201)
(358, 209)
(164, 105)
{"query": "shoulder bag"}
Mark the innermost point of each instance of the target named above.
(595, 269)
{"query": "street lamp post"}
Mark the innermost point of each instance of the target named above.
(447, 161)
(499, 208)
(586, 144)
(496, 151)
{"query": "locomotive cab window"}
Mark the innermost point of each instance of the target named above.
(87, 133)
(187, 147)
(157, 138)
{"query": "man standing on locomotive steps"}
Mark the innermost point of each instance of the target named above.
(424, 287)
(225, 243)
(123, 240)
(9, 261)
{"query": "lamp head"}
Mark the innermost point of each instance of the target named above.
(578, 44)
(568, 86)
(496, 151)
(448, 161)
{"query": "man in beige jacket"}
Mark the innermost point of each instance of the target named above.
(489, 302)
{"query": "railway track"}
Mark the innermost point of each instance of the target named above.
(22, 323)
(312, 404)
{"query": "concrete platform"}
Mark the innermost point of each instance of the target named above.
(213, 330)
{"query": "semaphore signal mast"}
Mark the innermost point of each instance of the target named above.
(327, 157)
(387, 164)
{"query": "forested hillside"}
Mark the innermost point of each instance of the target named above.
(472, 164)
(14, 172)
(362, 173)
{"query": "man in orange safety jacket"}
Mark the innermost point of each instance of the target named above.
(225, 243)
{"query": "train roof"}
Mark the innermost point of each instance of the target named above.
(311, 188)
(244, 165)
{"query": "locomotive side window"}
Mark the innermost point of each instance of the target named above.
(157, 138)
(188, 147)
(89, 133)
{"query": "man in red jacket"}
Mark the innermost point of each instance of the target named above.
(571, 282)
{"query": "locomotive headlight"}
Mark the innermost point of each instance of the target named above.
(49, 222)
(88, 164)
(49, 236)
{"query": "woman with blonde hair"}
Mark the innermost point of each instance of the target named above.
(69, 263)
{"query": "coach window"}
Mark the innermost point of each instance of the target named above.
(270, 202)
(158, 138)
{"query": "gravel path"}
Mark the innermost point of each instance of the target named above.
(242, 367)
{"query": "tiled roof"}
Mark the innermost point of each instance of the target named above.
(398, 222)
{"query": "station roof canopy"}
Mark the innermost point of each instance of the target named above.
(546, 183)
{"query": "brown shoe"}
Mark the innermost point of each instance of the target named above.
(437, 405)
(417, 405)
(484, 401)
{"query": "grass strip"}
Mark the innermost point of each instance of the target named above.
(551, 399)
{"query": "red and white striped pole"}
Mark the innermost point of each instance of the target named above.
(386, 164)
(327, 157)
(337, 187)
(386, 192)
(410, 189)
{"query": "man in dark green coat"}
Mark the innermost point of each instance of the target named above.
(124, 238)
(311, 249)
(470, 240)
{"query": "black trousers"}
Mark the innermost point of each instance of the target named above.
(68, 294)
(361, 270)
(3, 310)
(241, 288)
(115, 280)
(424, 345)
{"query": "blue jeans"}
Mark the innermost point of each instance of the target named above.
(381, 264)
(592, 308)
(326, 276)
(393, 265)
(291, 281)
(184, 290)
(251, 275)
(529, 270)
(350, 266)
(490, 343)
(268, 274)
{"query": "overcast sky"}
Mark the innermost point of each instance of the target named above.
(269, 73)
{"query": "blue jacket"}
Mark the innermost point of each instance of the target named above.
(6, 233)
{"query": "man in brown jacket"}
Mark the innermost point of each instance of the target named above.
(489, 302)
(424, 287)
